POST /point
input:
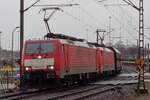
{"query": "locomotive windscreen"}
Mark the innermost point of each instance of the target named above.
(38, 47)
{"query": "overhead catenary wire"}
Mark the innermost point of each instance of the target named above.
(78, 19)
(127, 15)
(92, 17)
(148, 38)
(116, 18)
(56, 5)
(88, 14)
(99, 1)
(96, 20)
(69, 14)
(145, 36)
(120, 23)
(124, 13)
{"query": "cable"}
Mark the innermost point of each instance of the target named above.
(124, 12)
(79, 20)
(119, 21)
(99, 1)
(91, 16)
(148, 38)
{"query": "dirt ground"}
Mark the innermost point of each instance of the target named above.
(142, 96)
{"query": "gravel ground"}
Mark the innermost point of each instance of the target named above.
(136, 96)
(141, 96)
(122, 94)
(117, 94)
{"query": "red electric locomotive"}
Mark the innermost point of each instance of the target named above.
(66, 59)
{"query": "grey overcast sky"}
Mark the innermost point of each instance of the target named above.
(79, 21)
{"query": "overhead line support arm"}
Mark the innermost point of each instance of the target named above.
(131, 4)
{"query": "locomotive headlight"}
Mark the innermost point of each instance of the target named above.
(39, 57)
(28, 68)
(51, 67)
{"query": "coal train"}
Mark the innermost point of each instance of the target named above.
(64, 59)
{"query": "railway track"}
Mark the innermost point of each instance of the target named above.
(73, 93)
(87, 92)
(129, 69)
(83, 94)
(20, 95)
(26, 95)
(70, 93)
(62, 93)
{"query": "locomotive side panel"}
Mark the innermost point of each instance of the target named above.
(100, 60)
(58, 58)
(118, 61)
(109, 61)
(79, 60)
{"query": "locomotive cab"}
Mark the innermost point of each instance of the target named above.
(39, 62)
